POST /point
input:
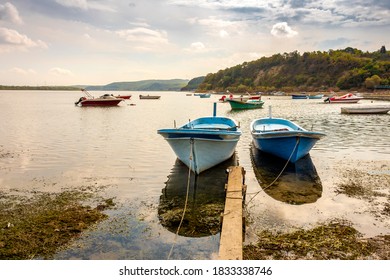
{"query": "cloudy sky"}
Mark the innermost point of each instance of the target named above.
(69, 42)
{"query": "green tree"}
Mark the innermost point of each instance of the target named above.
(372, 82)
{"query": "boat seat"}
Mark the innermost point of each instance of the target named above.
(208, 126)
(271, 128)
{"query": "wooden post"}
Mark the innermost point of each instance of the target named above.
(230, 247)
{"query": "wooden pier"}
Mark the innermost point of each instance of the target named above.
(232, 233)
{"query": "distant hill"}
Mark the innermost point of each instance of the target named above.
(64, 88)
(193, 84)
(345, 69)
(145, 85)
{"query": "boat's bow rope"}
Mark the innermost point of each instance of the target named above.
(187, 194)
(277, 177)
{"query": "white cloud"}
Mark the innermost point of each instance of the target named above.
(80, 4)
(9, 12)
(223, 34)
(145, 39)
(60, 72)
(217, 4)
(84, 5)
(198, 46)
(217, 27)
(10, 38)
(17, 70)
(282, 30)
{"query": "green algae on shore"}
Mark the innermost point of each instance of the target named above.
(335, 240)
(36, 227)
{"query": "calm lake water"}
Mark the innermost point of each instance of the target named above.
(48, 144)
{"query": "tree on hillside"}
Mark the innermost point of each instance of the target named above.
(347, 68)
(372, 82)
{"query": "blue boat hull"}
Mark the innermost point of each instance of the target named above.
(318, 96)
(294, 96)
(283, 138)
(203, 143)
(242, 105)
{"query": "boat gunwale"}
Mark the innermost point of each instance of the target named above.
(286, 134)
(292, 130)
(199, 131)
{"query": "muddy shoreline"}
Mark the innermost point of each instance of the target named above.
(365, 181)
(37, 225)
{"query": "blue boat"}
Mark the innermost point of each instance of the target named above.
(205, 95)
(248, 104)
(204, 142)
(283, 138)
(317, 96)
(299, 96)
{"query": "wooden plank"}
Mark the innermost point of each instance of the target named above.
(230, 247)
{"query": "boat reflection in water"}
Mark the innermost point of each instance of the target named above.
(205, 204)
(298, 184)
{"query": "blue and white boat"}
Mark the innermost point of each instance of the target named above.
(205, 95)
(204, 142)
(283, 138)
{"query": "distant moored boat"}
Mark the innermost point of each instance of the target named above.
(346, 98)
(149, 96)
(105, 100)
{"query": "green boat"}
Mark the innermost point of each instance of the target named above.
(247, 104)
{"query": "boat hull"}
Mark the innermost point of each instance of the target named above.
(206, 153)
(295, 96)
(344, 101)
(243, 105)
(318, 96)
(365, 110)
(123, 96)
(283, 138)
(149, 97)
(204, 142)
(346, 98)
(100, 102)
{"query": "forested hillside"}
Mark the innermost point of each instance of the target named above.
(145, 85)
(329, 70)
(193, 84)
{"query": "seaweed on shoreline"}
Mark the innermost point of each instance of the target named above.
(335, 240)
(37, 227)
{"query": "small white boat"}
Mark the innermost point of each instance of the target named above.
(204, 142)
(149, 96)
(369, 109)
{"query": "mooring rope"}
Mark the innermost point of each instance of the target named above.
(186, 200)
(277, 177)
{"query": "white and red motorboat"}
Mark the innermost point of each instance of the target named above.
(105, 100)
(123, 96)
(346, 98)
